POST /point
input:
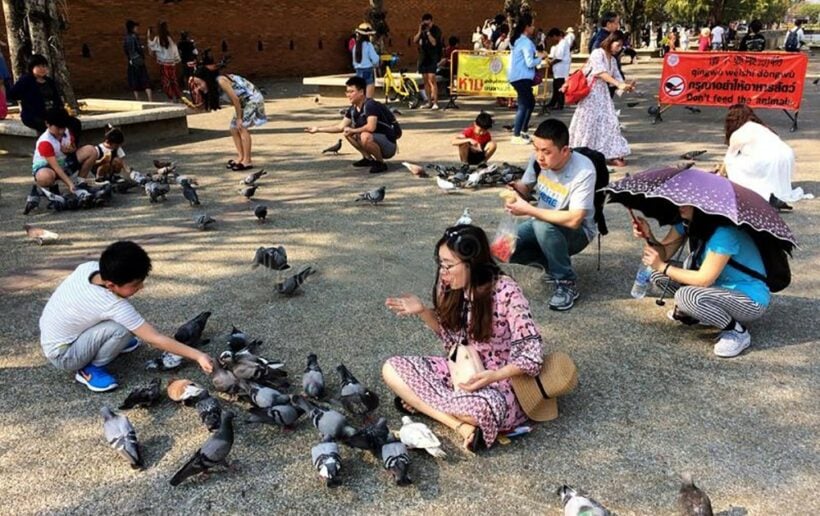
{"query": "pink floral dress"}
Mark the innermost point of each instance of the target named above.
(515, 339)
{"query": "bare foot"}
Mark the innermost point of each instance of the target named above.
(467, 432)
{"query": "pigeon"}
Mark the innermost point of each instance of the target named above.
(330, 423)
(577, 505)
(371, 437)
(507, 127)
(465, 218)
(204, 221)
(165, 362)
(32, 200)
(355, 397)
(416, 170)
(632, 104)
(327, 461)
(163, 164)
(40, 235)
(122, 187)
(265, 397)
(248, 191)
(692, 154)
(373, 196)
(279, 415)
(213, 452)
(417, 435)
(313, 381)
(396, 460)
(189, 193)
(261, 212)
(253, 177)
(190, 179)
(691, 500)
(121, 435)
(446, 186)
(692, 109)
(275, 258)
(256, 370)
(224, 380)
(139, 178)
(190, 333)
(186, 392)
(816, 81)
(335, 148)
(291, 285)
(143, 396)
(237, 340)
(210, 412)
(155, 190)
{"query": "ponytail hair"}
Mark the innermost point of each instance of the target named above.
(524, 21)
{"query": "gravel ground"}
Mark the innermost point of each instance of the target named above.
(653, 401)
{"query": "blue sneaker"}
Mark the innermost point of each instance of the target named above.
(133, 344)
(96, 378)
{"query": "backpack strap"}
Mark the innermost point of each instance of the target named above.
(746, 270)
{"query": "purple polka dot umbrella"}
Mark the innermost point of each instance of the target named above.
(658, 194)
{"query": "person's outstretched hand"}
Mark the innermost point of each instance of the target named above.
(407, 304)
(311, 130)
(206, 363)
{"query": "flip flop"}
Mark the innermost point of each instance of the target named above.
(399, 404)
(230, 164)
(477, 444)
(238, 167)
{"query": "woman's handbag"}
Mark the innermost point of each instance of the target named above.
(576, 88)
(464, 363)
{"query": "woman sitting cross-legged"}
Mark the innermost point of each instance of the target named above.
(480, 313)
(712, 290)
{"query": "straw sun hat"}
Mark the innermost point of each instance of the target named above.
(365, 29)
(537, 395)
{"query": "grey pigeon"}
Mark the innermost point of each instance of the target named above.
(465, 218)
(576, 504)
(327, 461)
(189, 192)
(355, 397)
(330, 423)
(371, 437)
(162, 164)
(121, 436)
(253, 177)
(138, 177)
(155, 191)
(203, 221)
(238, 340)
(248, 367)
(165, 362)
(335, 148)
(214, 451)
(313, 381)
(248, 191)
(210, 412)
(291, 285)
(373, 196)
(275, 258)
(396, 460)
(261, 212)
(693, 154)
(190, 333)
(265, 397)
(143, 396)
(691, 500)
(280, 415)
(224, 380)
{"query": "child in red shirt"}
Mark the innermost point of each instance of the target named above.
(475, 145)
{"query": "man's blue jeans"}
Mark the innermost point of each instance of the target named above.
(550, 246)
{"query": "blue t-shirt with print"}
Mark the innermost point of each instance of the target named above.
(737, 244)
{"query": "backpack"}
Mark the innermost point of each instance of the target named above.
(792, 43)
(394, 128)
(775, 261)
(576, 87)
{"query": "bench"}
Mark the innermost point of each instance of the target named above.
(334, 85)
(142, 123)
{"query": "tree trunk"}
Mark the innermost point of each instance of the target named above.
(44, 29)
(377, 17)
(14, 12)
(589, 20)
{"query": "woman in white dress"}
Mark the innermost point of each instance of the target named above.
(757, 158)
(595, 123)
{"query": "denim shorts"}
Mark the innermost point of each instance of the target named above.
(366, 74)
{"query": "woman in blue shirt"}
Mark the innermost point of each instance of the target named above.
(365, 58)
(523, 62)
(712, 290)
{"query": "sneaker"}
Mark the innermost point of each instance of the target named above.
(364, 162)
(427, 106)
(434, 107)
(378, 167)
(96, 378)
(133, 344)
(519, 140)
(564, 296)
(732, 343)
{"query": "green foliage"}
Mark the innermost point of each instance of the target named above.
(728, 10)
(808, 11)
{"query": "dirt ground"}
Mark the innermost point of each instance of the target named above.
(653, 401)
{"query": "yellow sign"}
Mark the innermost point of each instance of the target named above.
(484, 74)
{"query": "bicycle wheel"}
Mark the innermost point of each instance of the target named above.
(413, 97)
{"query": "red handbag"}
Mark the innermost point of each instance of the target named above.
(576, 88)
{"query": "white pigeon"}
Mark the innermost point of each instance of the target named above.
(465, 218)
(419, 436)
(577, 505)
(40, 235)
(445, 185)
(416, 170)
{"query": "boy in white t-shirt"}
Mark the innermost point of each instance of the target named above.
(88, 320)
(52, 150)
(110, 157)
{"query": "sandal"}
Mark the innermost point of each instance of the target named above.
(400, 406)
(238, 167)
(230, 164)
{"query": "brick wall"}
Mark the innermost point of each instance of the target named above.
(296, 40)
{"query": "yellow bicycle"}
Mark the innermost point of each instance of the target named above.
(400, 87)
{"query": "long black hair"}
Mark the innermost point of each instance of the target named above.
(524, 21)
(210, 99)
(358, 51)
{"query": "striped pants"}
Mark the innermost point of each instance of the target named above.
(714, 306)
(170, 83)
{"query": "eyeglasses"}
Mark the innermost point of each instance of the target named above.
(447, 267)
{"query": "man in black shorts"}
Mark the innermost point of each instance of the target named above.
(429, 40)
(367, 125)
